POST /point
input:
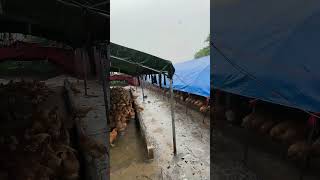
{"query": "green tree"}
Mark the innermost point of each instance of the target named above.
(204, 51)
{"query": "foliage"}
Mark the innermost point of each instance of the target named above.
(204, 51)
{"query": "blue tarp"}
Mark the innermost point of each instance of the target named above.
(271, 50)
(192, 77)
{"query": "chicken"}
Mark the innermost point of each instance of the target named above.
(132, 114)
(70, 165)
(279, 129)
(54, 123)
(94, 148)
(257, 121)
(37, 142)
(113, 136)
(74, 89)
(51, 159)
(43, 172)
(121, 126)
(200, 104)
(266, 126)
(246, 121)
(203, 109)
(292, 135)
(31, 154)
(140, 109)
(83, 111)
(316, 148)
(298, 150)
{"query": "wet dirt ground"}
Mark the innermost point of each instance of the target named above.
(193, 144)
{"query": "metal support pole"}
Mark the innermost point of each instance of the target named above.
(141, 84)
(84, 71)
(245, 153)
(186, 108)
(172, 116)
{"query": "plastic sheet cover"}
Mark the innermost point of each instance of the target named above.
(191, 76)
(269, 50)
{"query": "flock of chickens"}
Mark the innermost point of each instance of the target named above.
(122, 111)
(189, 99)
(42, 150)
(290, 132)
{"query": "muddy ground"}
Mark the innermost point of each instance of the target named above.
(193, 144)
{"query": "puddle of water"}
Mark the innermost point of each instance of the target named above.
(128, 158)
(128, 149)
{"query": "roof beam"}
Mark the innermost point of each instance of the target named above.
(97, 11)
(138, 64)
(1, 9)
(101, 3)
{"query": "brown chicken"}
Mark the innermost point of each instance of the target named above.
(316, 148)
(121, 126)
(293, 134)
(69, 163)
(113, 136)
(203, 109)
(94, 148)
(257, 122)
(298, 150)
(37, 142)
(266, 127)
(32, 155)
(246, 121)
(83, 111)
(54, 123)
(279, 129)
(51, 159)
(74, 89)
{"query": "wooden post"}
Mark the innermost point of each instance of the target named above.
(104, 78)
(108, 65)
(107, 91)
(172, 116)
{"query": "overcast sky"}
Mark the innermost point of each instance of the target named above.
(170, 29)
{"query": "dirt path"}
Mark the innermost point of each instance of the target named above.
(192, 136)
(193, 145)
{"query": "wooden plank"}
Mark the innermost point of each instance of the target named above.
(147, 140)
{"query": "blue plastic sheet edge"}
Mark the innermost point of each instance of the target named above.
(272, 50)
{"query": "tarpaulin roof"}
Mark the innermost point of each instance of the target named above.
(135, 62)
(191, 76)
(268, 50)
(60, 20)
